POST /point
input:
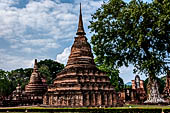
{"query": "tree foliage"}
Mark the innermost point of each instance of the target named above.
(4, 84)
(132, 33)
(53, 67)
(19, 76)
(113, 74)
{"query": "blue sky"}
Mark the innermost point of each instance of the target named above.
(43, 29)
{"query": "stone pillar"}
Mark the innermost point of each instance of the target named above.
(77, 100)
(110, 99)
(67, 100)
(86, 100)
(81, 97)
(132, 96)
(99, 100)
(74, 100)
(114, 99)
(105, 99)
(45, 100)
(93, 99)
(50, 100)
(63, 102)
(56, 100)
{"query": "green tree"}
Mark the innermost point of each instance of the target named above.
(134, 33)
(19, 76)
(4, 84)
(113, 74)
(45, 72)
(53, 67)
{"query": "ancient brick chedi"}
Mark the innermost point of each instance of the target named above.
(36, 87)
(81, 83)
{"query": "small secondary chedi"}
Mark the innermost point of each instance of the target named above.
(33, 93)
(81, 83)
(37, 86)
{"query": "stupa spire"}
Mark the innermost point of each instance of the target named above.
(80, 30)
(35, 66)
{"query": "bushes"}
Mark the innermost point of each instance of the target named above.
(88, 110)
(166, 110)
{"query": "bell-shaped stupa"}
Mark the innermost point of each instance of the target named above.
(35, 88)
(81, 83)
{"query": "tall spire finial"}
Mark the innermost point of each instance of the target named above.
(35, 66)
(80, 30)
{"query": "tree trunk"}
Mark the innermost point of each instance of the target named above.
(153, 93)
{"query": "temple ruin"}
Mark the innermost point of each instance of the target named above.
(81, 83)
(138, 92)
(36, 87)
(33, 93)
(135, 94)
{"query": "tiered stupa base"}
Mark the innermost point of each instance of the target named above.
(81, 88)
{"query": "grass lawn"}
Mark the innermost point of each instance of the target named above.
(129, 108)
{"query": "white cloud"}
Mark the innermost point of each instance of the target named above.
(36, 29)
(28, 50)
(127, 74)
(47, 19)
(63, 57)
(46, 43)
(9, 62)
(4, 4)
(37, 20)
